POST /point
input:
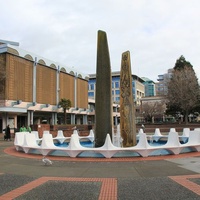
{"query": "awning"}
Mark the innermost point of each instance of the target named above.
(13, 109)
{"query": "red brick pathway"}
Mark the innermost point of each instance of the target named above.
(183, 180)
(108, 189)
(12, 151)
(109, 185)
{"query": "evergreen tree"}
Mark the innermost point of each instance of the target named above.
(183, 88)
(65, 104)
(182, 63)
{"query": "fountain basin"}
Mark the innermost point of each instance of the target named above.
(108, 150)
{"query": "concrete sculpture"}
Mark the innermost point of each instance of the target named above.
(103, 98)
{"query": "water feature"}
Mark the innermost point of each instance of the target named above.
(121, 153)
(103, 126)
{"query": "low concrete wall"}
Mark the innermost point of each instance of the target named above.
(84, 129)
(67, 129)
(164, 128)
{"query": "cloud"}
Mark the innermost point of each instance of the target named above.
(156, 32)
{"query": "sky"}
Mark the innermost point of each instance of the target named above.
(156, 32)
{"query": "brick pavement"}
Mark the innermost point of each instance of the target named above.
(23, 176)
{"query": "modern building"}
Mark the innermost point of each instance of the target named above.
(150, 89)
(161, 85)
(91, 114)
(137, 85)
(32, 86)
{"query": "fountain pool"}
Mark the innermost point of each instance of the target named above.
(120, 154)
(77, 148)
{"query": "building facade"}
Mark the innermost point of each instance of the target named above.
(32, 86)
(137, 86)
(150, 89)
(161, 85)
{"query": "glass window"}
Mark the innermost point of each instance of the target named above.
(91, 86)
(91, 94)
(117, 99)
(117, 91)
(117, 84)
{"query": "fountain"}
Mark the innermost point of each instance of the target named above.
(28, 143)
(106, 143)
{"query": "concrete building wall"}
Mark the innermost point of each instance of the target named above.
(140, 88)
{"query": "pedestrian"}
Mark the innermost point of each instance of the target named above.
(143, 127)
(28, 129)
(8, 137)
(23, 129)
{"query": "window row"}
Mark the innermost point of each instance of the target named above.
(115, 84)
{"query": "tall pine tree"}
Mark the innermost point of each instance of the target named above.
(183, 88)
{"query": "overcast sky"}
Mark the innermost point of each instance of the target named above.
(156, 32)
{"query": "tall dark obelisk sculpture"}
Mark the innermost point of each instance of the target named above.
(127, 110)
(103, 98)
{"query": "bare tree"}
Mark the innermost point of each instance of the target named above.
(183, 88)
(153, 109)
